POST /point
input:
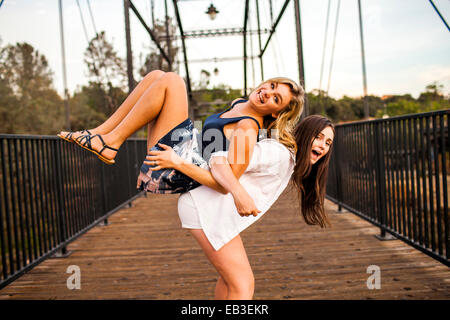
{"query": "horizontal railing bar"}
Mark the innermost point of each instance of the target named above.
(401, 117)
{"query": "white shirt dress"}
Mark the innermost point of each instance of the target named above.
(265, 178)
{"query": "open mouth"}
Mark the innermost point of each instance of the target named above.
(260, 96)
(316, 154)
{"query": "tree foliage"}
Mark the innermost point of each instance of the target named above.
(30, 105)
(154, 60)
(104, 65)
(351, 109)
(28, 101)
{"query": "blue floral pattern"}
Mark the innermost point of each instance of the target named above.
(184, 141)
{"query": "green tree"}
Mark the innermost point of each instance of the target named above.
(108, 80)
(401, 106)
(8, 108)
(104, 65)
(431, 99)
(28, 103)
(210, 101)
(433, 92)
(154, 60)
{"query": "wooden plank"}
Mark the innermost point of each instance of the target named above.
(144, 254)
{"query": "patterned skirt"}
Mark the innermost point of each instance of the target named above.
(184, 140)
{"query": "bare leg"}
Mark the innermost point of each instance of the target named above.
(149, 133)
(164, 103)
(129, 103)
(126, 106)
(232, 264)
(221, 292)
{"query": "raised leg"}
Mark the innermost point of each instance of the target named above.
(232, 264)
(164, 104)
(129, 103)
(125, 107)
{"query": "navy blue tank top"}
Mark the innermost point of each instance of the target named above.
(213, 138)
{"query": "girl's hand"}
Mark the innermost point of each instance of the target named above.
(244, 203)
(166, 158)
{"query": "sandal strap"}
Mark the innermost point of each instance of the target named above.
(83, 134)
(105, 146)
(88, 143)
(86, 137)
(69, 135)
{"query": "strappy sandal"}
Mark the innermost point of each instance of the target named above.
(68, 136)
(83, 133)
(86, 144)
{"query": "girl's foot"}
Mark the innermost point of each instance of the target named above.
(77, 135)
(96, 144)
(71, 136)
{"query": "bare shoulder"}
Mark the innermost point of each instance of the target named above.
(246, 124)
(235, 100)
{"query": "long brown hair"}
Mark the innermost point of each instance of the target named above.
(310, 180)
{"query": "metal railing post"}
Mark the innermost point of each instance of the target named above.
(105, 221)
(337, 172)
(62, 252)
(380, 173)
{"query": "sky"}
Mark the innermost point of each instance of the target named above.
(407, 46)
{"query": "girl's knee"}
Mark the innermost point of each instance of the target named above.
(244, 287)
(153, 75)
(173, 77)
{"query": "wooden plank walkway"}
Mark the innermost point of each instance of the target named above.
(144, 254)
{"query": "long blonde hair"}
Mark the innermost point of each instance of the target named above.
(288, 117)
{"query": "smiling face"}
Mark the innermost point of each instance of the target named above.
(321, 144)
(271, 98)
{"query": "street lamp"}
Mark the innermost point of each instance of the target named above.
(212, 11)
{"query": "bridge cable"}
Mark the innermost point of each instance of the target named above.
(442, 18)
(92, 16)
(334, 44)
(270, 14)
(95, 49)
(96, 33)
(252, 55)
(82, 21)
(324, 46)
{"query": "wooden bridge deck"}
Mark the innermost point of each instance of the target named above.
(144, 254)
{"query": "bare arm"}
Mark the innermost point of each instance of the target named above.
(223, 173)
(226, 172)
(169, 159)
(242, 143)
(200, 175)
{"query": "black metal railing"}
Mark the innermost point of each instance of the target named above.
(394, 173)
(53, 191)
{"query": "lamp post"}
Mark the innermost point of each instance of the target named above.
(212, 12)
